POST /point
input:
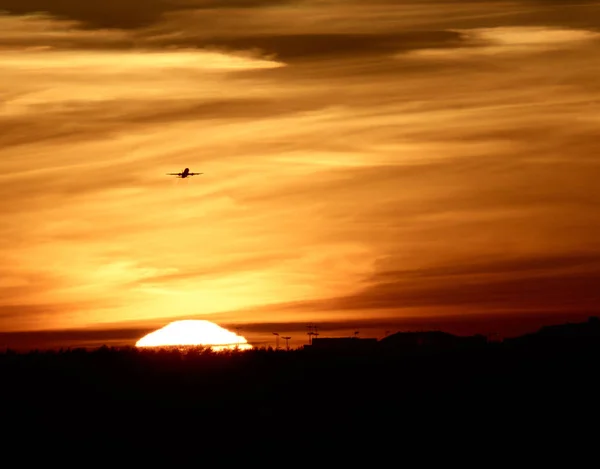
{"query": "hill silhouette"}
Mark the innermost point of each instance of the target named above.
(421, 383)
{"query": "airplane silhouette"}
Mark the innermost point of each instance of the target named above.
(185, 173)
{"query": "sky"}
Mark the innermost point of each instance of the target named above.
(364, 163)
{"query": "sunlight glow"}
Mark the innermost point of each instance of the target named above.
(42, 59)
(194, 332)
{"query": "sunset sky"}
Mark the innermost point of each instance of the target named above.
(363, 162)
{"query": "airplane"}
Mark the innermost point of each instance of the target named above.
(185, 173)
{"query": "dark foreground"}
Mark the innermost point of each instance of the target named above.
(145, 402)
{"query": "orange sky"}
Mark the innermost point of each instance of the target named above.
(362, 160)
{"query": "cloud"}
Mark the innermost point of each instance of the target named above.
(23, 316)
(16, 286)
(511, 40)
(226, 265)
(350, 173)
(291, 48)
(550, 293)
(492, 266)
(125, 14)
(237, 16)
(109, 14)
(83, 120)
(43, 32)
(550, 284)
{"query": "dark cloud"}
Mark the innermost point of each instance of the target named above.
(552, 292)
(242, 26)
(139, 13)
(547, 285)
(121, 13)
(107, 14)
(522, 265)
(522, 287)
(295, 47)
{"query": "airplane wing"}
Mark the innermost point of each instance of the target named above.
(194, 174)
(173, 174)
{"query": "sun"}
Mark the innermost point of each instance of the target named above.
(194, 332)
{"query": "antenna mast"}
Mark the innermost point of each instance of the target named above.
(310, 333)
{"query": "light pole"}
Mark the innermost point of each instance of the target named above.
(309, 333)
(286, 342)
(276, 340)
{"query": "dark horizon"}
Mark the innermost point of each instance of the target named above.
(261, 334)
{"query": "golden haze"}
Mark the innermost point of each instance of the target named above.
(360, 161)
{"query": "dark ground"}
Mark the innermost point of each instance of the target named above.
(145, 403)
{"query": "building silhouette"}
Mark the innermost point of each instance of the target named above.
(343, 343)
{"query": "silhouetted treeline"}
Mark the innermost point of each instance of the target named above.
(155, 394)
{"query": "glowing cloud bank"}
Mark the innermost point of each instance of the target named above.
(193, 332)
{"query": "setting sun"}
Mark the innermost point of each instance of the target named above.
(194, 332)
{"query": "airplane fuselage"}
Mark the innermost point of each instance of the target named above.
(184, 174)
